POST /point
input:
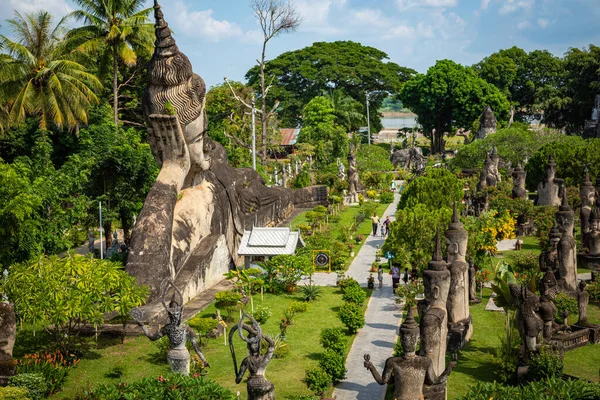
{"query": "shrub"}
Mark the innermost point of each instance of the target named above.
(36, 385)
(347, 282)
(228, 301)
(298, 307)
(281, 346)
(354, 294)
(386, 197)
(116, 371)
(262, 314)
(332, 362)
(594, 290)
(359, 238)
(545, 364)
(334, 339)
(203, 325)
(169, 388)
(372, 193)
(352, 316)
(53, 366)
(553, 388)
(310, 292)
(13, 393)
(317, 380)
(565, 302)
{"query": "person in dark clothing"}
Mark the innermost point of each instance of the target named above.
(405, 277)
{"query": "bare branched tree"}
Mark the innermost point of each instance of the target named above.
(275, 17)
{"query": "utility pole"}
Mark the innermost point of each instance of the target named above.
(253, 133)
(101, 242)
(368, 120)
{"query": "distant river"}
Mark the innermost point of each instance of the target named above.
(399, 122)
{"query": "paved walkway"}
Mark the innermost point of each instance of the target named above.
(378, 336)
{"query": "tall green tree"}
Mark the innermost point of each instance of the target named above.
(115, 31)
(38, 76)
(348, 112)
(299, 76)
(320, 130)
(450, 96)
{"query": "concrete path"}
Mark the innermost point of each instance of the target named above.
(378, 336)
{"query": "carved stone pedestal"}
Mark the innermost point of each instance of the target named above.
(459, 335)
(435, 392)
(476, 300)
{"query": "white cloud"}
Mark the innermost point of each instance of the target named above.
(407, 4)
(253, 37)
(511, 6)
(372, 17)
(485, 4)
(523, 25)
(315, 15)
(201, 24)
(58, 8)
(543, 22)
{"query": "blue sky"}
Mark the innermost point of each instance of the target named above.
(222, 37)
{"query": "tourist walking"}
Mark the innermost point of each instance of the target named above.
(395, 277)
(386, 226)
(375, 222)
(380, 276)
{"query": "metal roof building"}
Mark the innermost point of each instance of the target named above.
(266, 242)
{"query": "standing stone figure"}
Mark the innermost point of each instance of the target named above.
(177, 332)
(341, 170)
(487, 123)
(458, 296)
(583, 299)
(548, 189)
(493, 173)
(259, 388)
(482, 184)
(528, 322)
(410, 371)
(432, 310)
(547, 310)
(91, 240)
(354, 186)
(473, 299)
(549, 258)
(593, 236)
(587, 193)
(567, 252)
(518, 191)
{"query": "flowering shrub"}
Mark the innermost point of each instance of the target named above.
(54, 367)
(372, 193)
(485, 231)
(408, 293)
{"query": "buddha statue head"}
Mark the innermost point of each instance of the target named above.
(548, 285)
(550, 169)
(409, 335)
(436, 277)
(587, 191)
(457, 238)
(565, 217)
(175, 88)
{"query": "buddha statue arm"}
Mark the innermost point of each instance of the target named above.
(387, 370)
(430, 377)
(194, 339)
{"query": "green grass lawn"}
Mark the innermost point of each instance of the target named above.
(142, 359)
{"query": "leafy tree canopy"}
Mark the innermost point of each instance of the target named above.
(303, 74)
(373, 158)
(451, 96)
(437, 188)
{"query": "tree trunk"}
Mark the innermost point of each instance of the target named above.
(115, 86)
(107, 227)
(263, 116)
(126, 222)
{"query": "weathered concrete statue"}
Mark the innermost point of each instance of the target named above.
(583, 299)
(549, 259)
(547, 310)
(195, 214)
(341, 170)
(482, 184)
(91, 242)
(354, 185)
(487, 123)
(493, 173)
(457, 305)
(258, 386)
(587, 193)
(529, 324)
(518, 191)
(177, 332)
(473, 299)
(567, 252)
(548, 188)
(432, 310)
(410, 371)
(593, 236)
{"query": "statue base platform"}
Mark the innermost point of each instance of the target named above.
(579, 337)
(476, 300)
(435, 392)
(7, 369)
(588, 261)
(594, 331)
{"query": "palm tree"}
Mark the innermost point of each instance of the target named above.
(115, 30)
(348, 111)
(39, 78)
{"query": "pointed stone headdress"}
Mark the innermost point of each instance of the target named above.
(437, 263)
(171, 77)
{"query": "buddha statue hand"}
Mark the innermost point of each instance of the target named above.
(368, 364)
(166, 138)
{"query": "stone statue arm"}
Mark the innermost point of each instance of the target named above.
(194, 339)
(242, 371)
(431, 379)
(137, 316)
(385, 377)
(270, 349)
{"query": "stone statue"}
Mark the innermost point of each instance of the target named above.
(432, 310)
(593, 236)
(487, 123)
(518, 191)
(259, 388)
(353, 180)
(587, 193)
(567, 252)
(91, 241)
(114, 247)
(548, 189)
(482, 184)
(528, 322)
(493, 174)
(409, 158)
(410, 371)
(549, 258)
(458, 296)
(195, 214)
(177, 332)
(473, 299)
(341, 170)
(547, 310)
(583, 299)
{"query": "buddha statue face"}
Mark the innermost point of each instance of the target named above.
(437, 287)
